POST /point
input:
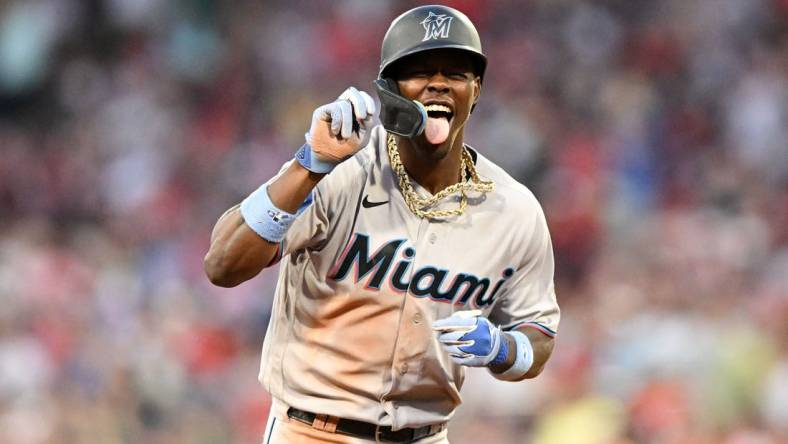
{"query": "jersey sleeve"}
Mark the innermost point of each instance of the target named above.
(310, 227)
(529, 299)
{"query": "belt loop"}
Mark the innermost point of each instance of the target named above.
(325, 423)
(377, 434)
(319, 422)
(331, 424)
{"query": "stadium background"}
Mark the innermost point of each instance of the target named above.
(653, 132)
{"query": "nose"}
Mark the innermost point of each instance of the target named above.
(438, 83)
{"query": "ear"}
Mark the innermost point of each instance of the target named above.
(477, 90)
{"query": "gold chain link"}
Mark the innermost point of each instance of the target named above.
(416, 203)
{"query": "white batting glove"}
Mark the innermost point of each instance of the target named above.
(471, 339)
(331, 137)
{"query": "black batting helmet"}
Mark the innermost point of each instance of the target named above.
(430, 27)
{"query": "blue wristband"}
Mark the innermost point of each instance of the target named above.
(306, 157)
(503, 352)
(264, 218)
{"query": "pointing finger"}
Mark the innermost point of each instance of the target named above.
(346, 118)
(454, 323)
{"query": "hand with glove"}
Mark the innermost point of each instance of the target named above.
(472, 340)
(339, 129)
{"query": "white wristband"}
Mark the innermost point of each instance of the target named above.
(264, 217)
(523, 361)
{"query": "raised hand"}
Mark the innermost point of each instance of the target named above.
(332, 136)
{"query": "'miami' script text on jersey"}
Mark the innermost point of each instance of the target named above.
(427, 281)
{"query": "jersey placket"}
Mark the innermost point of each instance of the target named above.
(413, 333)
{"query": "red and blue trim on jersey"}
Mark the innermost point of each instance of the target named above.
(535, 325)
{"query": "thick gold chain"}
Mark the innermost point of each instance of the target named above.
(416, 203)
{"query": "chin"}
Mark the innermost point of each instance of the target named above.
(435, 152)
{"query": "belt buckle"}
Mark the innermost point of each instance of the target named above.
(379, 434)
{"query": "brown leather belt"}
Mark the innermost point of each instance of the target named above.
(362, 429)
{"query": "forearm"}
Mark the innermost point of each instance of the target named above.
(542, 349)
(292, 188)
(237, 253)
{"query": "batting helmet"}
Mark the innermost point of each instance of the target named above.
(430, 27)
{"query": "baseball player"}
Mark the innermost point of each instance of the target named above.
(406, 255)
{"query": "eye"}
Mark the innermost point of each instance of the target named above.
(415, 72)
(458, 75)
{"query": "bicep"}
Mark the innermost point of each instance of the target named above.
(236, 253)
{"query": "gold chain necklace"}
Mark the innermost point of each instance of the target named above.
(416, 203)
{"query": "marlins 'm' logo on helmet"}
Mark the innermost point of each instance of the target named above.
(437, 26)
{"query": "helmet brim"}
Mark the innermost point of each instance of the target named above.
(401, 58)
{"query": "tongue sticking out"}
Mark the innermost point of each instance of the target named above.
(437, 130)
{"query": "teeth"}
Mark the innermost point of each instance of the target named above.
(438, 108)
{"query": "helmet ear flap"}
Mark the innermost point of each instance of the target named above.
(397, 114)
(391, 85)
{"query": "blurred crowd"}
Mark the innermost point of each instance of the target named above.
(655, 134)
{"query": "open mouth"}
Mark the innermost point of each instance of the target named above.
(438, 125)
(438, 111)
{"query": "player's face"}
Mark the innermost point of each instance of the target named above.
(444, 77)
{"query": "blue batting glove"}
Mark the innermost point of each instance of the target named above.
(471, 339)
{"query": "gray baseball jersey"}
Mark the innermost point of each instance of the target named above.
(362, 279)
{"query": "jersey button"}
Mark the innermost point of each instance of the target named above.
(433, 238)
(403, 368)
(417, 318)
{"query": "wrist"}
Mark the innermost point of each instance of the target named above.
(522, 355)
(307, 158)
(505, 356)
(306, 176)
